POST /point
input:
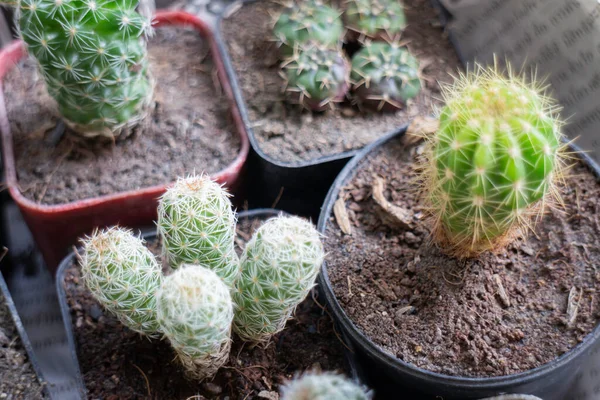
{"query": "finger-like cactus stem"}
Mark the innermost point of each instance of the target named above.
(376, 19)
(324, 386)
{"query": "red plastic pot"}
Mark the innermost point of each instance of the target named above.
(57, 227)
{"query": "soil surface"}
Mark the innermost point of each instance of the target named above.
(190, 129)
(495, 315)
(120, 364)
(18, 380)
(288, 134)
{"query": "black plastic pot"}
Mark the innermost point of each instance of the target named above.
(296, 187)
(148, 235)
(550, 381)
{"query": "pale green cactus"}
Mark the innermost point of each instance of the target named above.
(493, 162)
(197, 225)
(324, 386)
(306, 22)
(92, 55)
(376, 19)
(279, 266)
(385, 76)
(195, 313)
(123, 275)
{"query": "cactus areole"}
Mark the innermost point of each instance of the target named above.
(92, 55)
(493, 163)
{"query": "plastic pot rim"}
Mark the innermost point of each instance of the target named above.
(392, 362)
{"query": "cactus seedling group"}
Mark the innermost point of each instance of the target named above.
(323, 386)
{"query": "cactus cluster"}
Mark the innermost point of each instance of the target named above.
(376, 19)
(493, 162)
(323, 386)
(92, 55)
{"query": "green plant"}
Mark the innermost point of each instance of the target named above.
(123, 275)
(385, 75)
(316, 77)
(376, 19)
(92, 55)
(305, 22)
(197, 226)
(279, 266)
(323, 386)
(493, 162)
(195, 312)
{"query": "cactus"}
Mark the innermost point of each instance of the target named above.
(195, 312)
(279, 266)
(492, 161)
(324, 386)
(92, 55)
(197, 226)
(316, 77)
(376, 19)
(385, 76)
(123, 275)
(309, 21)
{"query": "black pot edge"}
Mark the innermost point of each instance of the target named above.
(372, 350)
(68, 324)
(25, 342)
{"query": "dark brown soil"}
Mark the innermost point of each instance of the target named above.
(495, 315)
(288, 134)
(190, 128)
(18, 380)
(116, 362)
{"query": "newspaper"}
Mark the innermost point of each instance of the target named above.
(559, 40)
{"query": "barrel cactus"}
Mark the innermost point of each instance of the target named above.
(305, 22)
(278, 268)
(323, 386)
(123, 275)
(197, 225)
(316, 77)
(493, 163)
(385, 76)
(92, 55)
(376, 19)
(195, 312)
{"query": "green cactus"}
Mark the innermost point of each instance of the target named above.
(323, 386)
(308, 21)
(376, 19)
(385, 76)
(92, 55)
(195, 312)
(123, 275)
(197, 226)
(316, 77)
(493, 160)
(279, 266)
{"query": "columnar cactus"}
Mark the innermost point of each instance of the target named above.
(317, 77)
(279, 266)
(123, 275)
(308, 21)
(195, 312)
(324, 386)
(197, 226)
(493, 160)
(385, 75)
(92, 55)
(376, 19)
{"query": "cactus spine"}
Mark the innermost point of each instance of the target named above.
(376, 19)
(324, 386)
(279, 266)
(385, 75)
(317, 77)
(123, 276)
(197, 226)
(493, 161)
(195, 312)
(93, 57)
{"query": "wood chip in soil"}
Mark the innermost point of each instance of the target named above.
(288, 134)
(190, 128)
(498, 314)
